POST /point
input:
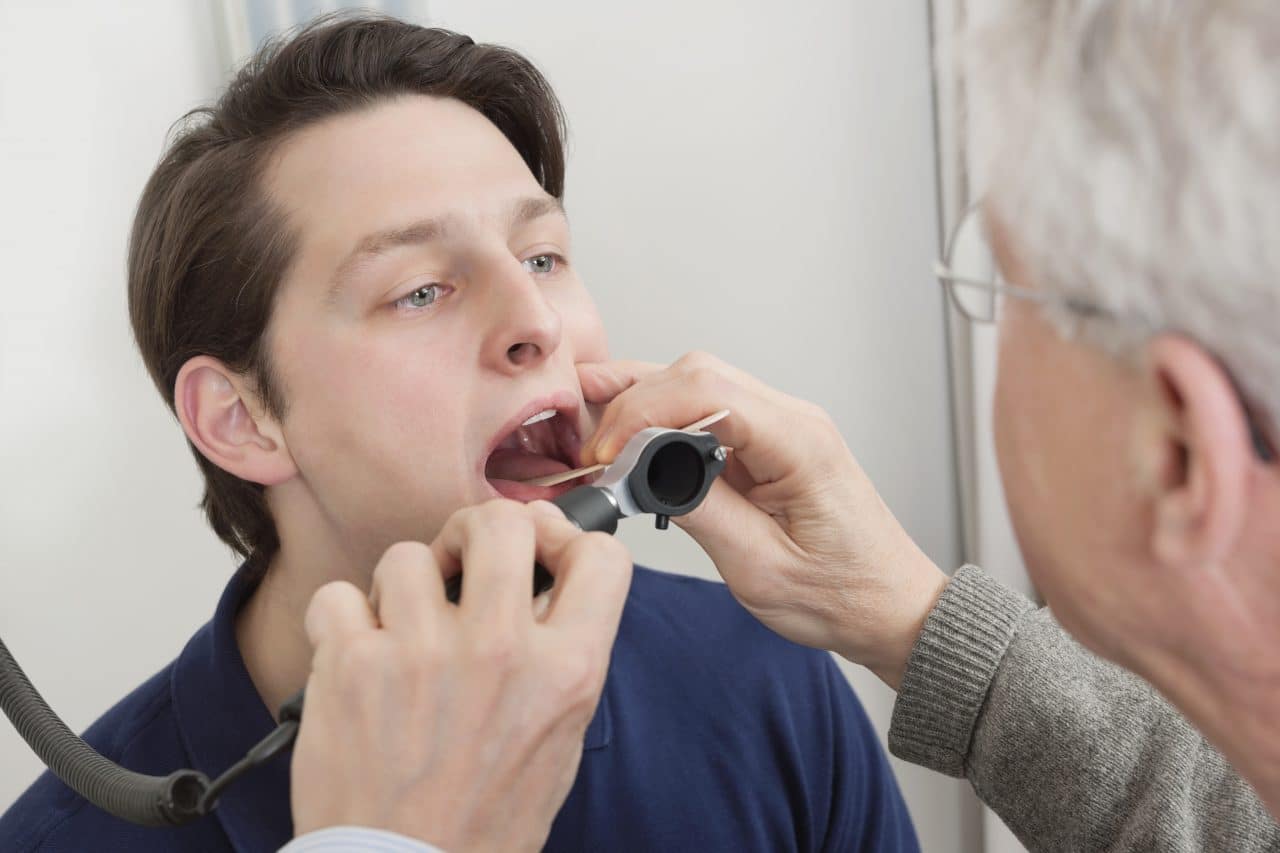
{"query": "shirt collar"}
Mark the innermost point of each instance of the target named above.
(220, 717)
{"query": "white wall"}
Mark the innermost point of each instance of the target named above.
(754, 179)
(105, 564)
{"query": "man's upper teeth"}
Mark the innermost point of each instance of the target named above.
(541, 416)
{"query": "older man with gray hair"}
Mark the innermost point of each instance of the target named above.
(1132, 198)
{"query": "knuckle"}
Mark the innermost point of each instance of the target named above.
(576, 680)
(329, 596)
(404, 553)
(413, 664)
(498, 651)
(813, 420)
(646, 417)
(499, 513)
(602, 548)
(810, 410)
(705, 380)
(400, 563)
(823, 417)
(698, 360)
(361, 656)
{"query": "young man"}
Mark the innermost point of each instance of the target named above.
(352, 281)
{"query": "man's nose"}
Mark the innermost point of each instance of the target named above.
(526, 328)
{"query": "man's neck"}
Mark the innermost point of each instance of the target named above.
(270, 626)
(1227, 682)
(1243, 721)
(272, 641)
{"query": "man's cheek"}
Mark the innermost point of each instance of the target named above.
(592, 350)
(1001, 413)
(583, 328)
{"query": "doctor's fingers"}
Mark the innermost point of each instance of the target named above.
(338, 611)
(408, 594)
(770, 432)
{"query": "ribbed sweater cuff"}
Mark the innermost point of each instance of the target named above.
(951, 669)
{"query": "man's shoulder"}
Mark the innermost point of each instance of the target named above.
(696, 625)
(691, 606)
(708, 710)
(139, 732)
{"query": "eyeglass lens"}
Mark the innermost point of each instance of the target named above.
(970, 257)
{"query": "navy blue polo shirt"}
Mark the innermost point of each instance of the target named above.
(712, 734)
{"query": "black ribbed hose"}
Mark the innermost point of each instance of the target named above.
(147, 800)
(185, 795)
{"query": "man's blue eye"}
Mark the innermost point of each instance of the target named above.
(541, 264)
(423, 297)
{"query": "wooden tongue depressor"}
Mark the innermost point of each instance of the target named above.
(566, 476)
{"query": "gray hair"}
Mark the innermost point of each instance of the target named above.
(1132, 149)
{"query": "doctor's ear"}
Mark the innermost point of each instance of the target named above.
(1207, 456)
(222, 415)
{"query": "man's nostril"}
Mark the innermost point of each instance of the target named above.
(522, 352)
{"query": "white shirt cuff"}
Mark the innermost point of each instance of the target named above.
(348, 838)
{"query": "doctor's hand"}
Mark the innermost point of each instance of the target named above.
(793, 525)
(460, 725)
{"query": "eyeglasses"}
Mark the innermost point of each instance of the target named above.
(969, 273)
(971, 277)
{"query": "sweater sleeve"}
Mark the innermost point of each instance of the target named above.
(1072, 752)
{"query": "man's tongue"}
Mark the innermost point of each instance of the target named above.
(528, 452)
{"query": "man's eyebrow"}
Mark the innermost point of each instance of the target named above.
(528, 209)
(425, 231)
(413, 234)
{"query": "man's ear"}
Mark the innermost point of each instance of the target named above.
(1201, 499)
(222, 416)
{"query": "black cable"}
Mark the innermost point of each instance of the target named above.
(172, 800)
(267, 748)
(147, 800)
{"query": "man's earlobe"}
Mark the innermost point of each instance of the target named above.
(1201, 499)
(219, 413)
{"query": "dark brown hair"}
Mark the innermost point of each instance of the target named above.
(209, 248)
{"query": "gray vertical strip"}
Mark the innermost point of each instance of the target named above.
(956, 334)
(941, 229)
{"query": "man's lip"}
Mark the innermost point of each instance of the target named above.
(566, 403)
(525, 493)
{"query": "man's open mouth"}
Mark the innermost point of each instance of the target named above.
(547, 442)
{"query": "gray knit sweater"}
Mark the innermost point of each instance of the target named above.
(1072, 752)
